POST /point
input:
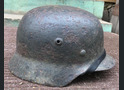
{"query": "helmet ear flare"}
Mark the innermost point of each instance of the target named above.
(96, 63)
(58, 41)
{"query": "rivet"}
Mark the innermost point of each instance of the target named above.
(83, 52)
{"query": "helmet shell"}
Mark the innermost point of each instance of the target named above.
(55, 44)
(78, 29)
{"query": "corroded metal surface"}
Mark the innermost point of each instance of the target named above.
(50, 41)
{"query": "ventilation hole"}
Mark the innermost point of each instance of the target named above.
(58, 41)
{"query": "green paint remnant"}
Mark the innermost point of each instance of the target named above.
(22, 6)
(107, 27)
(9, 23)
(99, 6)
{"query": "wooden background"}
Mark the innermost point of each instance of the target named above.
(115, 18)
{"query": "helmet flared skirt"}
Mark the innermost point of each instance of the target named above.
(50, 73)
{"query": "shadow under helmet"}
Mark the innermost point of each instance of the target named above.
(56, 44)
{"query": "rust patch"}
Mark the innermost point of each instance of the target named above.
(70, 37)
(48, 51)
(22, 49)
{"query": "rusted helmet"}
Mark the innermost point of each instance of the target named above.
(56, 44)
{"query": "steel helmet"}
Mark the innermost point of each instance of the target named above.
(56, 44)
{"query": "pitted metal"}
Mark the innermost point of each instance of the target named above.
(55, 44)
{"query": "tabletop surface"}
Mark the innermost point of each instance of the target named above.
(108, 80)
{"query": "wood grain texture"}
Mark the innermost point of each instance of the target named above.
(116, 10)
(115, 18)
(106, 80)
(114, 21)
